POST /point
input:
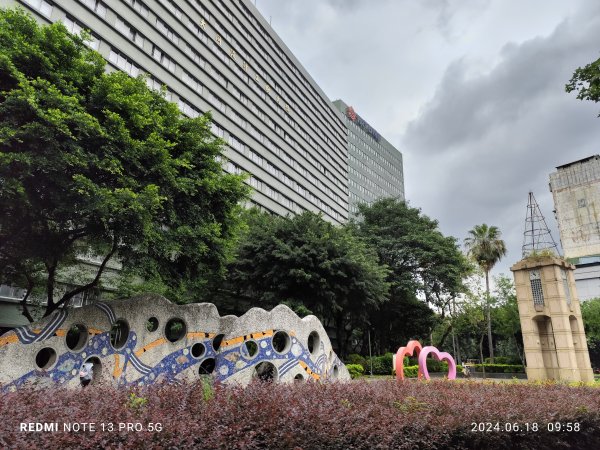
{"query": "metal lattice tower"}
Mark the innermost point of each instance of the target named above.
(537, 235)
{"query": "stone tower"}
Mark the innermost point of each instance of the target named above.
(553, 334)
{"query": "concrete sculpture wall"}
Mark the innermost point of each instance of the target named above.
(147, 339)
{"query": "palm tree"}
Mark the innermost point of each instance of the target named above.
(486, 248)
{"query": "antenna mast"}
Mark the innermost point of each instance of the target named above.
(537, 235)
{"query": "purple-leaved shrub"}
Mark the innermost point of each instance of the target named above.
(355, 415)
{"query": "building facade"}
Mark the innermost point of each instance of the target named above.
(223, 57)
(374, 165)
(576, 192)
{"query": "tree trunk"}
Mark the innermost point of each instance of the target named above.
(481, 353)
(489, 316)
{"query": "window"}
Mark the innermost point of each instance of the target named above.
(75, 28)
(192, 82)
(153, 84)
(41, 5)
(236, 144)
(195, 56)
(187, 109)
(123, 63)
(256, 158)
(536, 287)
(217, 130)
(174, 9)
(167, 31)
(140, 7)
(96, 6)
(158, 55)
(131, 33)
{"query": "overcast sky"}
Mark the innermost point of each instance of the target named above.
(470, 91)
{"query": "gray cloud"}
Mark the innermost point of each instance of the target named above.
(489, 138)
(471, 91)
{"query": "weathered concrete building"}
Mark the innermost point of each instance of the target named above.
(576, 191)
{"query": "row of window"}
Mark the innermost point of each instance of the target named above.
(274, 194)
(280, 175)
(374, 155)
(354, 162)
(124, 64)
(222, 33)
(324, 106)
(368, 194)
(260, 88)
(392, 190)
(363, 134)
(191, 81)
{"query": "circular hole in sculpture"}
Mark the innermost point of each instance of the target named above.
(90, 370)
(45, 358)
(299, 378)
(265, 371)
(217, 341)
(281, 342)
(314, 342)
(198, 350)
(152, 324)
(76, 337)
(207, 366)
(175, 330)
(251, 348)
(336, 371)
(119, 333)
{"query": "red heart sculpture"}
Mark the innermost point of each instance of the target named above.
(440, 356)
(407, 351)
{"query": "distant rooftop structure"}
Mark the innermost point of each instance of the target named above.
(537, 235)
(580, 161)
(575, 189)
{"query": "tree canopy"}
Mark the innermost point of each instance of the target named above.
(586, 81)
(97, 163)
(306, 261)
(422, 263)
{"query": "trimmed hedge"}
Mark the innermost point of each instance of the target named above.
(355, 370)
(499, 368)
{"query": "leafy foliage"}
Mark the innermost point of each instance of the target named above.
(421, 261)
(355, 370)
(586, 81)
(308, 261)
(359, 415)
(486, 248)
(96, 163)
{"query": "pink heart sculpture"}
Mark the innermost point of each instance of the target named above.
(440, 356)
(411, 347)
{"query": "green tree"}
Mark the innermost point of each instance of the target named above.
(590, 313)
(586, 81)
(486, 248)
(423, 263)
(307, 261)
(97, 163)
(505, 316)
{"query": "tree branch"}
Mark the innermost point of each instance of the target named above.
(69, 295)
(24, 299)
(51, 268)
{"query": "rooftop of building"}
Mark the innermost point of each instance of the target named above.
(580, 161)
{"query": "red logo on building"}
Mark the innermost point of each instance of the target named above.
(350, 113)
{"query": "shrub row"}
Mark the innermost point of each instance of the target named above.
(382, 365)
(378, 414)
(504, 360)
(499, 368)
